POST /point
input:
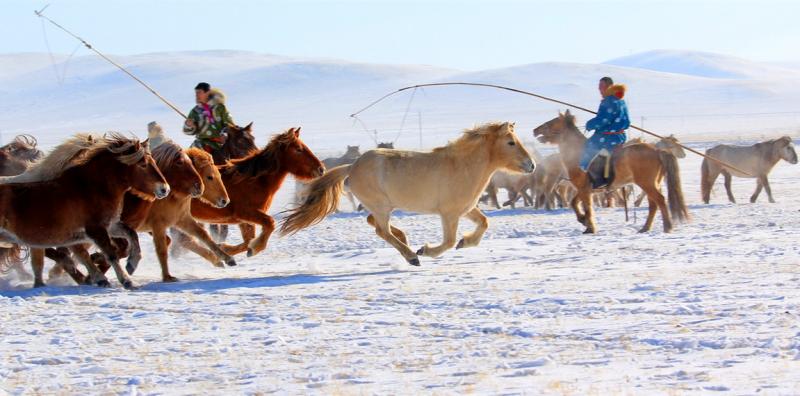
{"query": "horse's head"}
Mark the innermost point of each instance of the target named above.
(671, 144)
(297, 157)
(352, 152)
(507, 147)
(786, 150)
(214, 192)
(177, 168)
(240, 142)
(144, 177)
(24, 148)
(553, 131)
(386, 145)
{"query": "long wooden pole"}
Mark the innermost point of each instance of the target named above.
(561, 102)
(40, 14)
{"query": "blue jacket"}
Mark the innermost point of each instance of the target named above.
(612, 116)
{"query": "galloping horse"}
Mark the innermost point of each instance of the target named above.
(642, 164)
(240, 143)
(758, 160)
(69, 198)
(446, 181)
(252, 183)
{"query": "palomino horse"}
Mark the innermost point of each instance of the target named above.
(642, 164)
(446, 181)
(252, 183)
(68, 198)
(757, 160)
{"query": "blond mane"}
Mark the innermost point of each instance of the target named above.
(77, 151)
(472, 137)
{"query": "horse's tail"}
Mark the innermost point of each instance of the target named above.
(11, 257)
(677, 205)
(322, 199)
(705, 181)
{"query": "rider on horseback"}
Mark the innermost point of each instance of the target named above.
(609, 126)
(207, 121)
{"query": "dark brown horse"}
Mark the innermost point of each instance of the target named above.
(252, 183)
(68, 198)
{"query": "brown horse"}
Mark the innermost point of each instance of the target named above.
(252, 183)
(68, 198)
(447, 181)
(758, 160)
(642, 164)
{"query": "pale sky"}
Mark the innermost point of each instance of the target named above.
(464, 34)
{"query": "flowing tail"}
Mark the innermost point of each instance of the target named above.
(677, 205)
(11, 257)
(705, 181)
(322, 199)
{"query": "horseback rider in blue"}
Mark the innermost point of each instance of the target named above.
(609, 124)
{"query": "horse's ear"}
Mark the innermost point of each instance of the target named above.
(297, 132)
(249, 126)
(567, 113)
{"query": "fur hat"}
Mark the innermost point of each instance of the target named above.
(617, 90)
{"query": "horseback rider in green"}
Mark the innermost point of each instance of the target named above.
(208, 119)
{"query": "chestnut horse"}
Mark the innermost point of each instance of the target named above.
(252, 183)
(69, 198)
(447, 181)
(642, 164)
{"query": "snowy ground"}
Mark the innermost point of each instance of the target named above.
(536, 308)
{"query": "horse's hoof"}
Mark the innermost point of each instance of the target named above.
(420, 252)
(460, 244)
(643, 230)
(169, 279)
(250, 253)
(589, 231)
(103, 283)
(38, 284)
(131, 268)
(414, 261)
(231, 262)
(128, 285)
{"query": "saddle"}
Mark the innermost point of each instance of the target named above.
(601, 168)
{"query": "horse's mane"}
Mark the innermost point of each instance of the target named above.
(472, 137)
(264, 161)
(166, 154)
(76, 151)
(201, 156)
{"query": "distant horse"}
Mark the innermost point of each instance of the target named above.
(758, 160)
(350, 156)
(642, 164)
(386, 145)
(70, 197)
(446, 181)
(544, 182)
(252, 183)
(513, 182)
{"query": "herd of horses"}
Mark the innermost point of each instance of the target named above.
(102, 190)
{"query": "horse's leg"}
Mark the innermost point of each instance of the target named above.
(481, 224)
(352, 199)
(585, 196)
(575, 203)
(100, 237)
(728, 178)
(191, 227)
(267, 224)
(64, 262)
(759, 185)
(160, 241)
(768, 189)
(652, 208)
(449, 230)
(383, 229)
(37, 265)
(191, 244)
(122, 230)
(95, 276)
(248, 233)
(398, 233)
(493, 197)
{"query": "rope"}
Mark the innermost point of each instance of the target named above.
(40, 14)
(405, 115)
(546, 99)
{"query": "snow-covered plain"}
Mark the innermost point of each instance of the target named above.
(536, 308)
